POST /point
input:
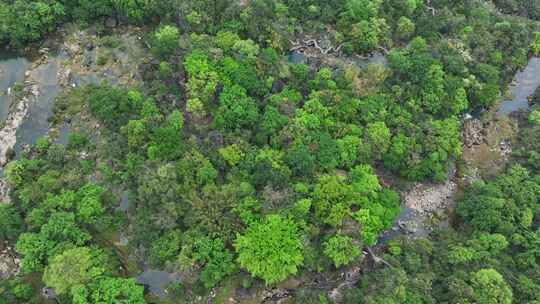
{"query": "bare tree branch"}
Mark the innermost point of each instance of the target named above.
(377, 259)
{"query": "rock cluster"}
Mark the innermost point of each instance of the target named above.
(473, 133)
(275, 295)
(430, 198)
(505, 149)
(9, 264)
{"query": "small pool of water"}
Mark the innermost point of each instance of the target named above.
(157, 281)
(526, 82)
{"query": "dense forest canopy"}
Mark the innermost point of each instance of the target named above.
(246, 170)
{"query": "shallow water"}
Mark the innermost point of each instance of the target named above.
(526, 83)
(156, 281)
(12, 71)
(407, 215)
(63, 134)
(297, 58)
(40, 108)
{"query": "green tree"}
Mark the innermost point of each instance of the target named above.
(166, 248)
(77, 266)
(236, 110)
(25, 21)
(215, 260)
(165, 41)
(349, 150)
(379, 137)
(272, 121)
(534, 117)
(365, 35)
(341, 250)
(232, 154)
(57, 234)
(133, 10)
(167, 143)
(109, 290)
(405, 28)
(490, 287)
(136, 133)
(202, 82)
(110, 105)
(300, 160)
(358, 10)
(270, 249)
(11, 223)
(535, 44)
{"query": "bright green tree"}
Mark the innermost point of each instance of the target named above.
(341, 249)
(490, 287)
(236, 110)
(270, 249)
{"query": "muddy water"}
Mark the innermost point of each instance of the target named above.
(12, 71)
(524, 84)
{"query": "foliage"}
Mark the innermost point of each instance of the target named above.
(224, 145)
(165, 41)
(270, 249)
(11, 224)
(341, 249)
(236, 110)
(77, 266)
